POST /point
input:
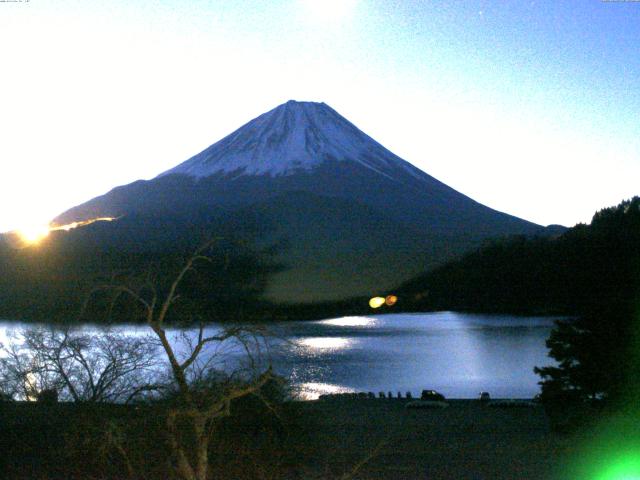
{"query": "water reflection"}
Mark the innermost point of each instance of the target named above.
(312, 390)
(325, 343)
(350, 322)
(466, 364)
(457, 354)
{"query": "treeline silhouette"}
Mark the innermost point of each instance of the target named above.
(52, 281)
(569, 273)
(574, 273)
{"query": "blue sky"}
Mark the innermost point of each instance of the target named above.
(529, 107)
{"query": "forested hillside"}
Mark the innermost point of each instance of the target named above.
(585, 266)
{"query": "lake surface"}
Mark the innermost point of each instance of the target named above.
(457, 354)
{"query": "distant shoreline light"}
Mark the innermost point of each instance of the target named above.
(377, 302)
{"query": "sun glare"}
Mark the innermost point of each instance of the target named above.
(33, 233)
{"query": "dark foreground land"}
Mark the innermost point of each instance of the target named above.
(467, 440)
(368, 438)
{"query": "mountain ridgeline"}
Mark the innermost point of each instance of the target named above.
(348, 217)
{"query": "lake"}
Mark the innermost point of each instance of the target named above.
(458, 354)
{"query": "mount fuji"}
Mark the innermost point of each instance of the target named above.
(355, 219)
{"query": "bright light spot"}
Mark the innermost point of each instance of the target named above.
(324, 343)
(70, 226)
(31, 387)
(390, 300)
(312, 390)
(33, 233)
(377, 302)
(626, 468)
(350, 322)
(611, 449)
(329, 10)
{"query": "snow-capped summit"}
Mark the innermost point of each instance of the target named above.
(293, 137)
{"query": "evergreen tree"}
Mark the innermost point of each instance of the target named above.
(598, 353)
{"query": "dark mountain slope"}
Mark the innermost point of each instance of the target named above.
(337, 199)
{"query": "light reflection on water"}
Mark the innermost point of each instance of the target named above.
(324, 343)
(350, 322)
(312, 390)
(457, 354)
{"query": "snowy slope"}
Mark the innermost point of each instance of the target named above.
(293, 137)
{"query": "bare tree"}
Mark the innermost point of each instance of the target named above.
(18, 377)
(199, 392)
(80, 366)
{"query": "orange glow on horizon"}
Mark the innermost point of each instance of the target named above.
(70, 226)
(34, 234)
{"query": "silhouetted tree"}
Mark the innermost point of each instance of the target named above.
(597, 353)
(80, 366)
(593, 355)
